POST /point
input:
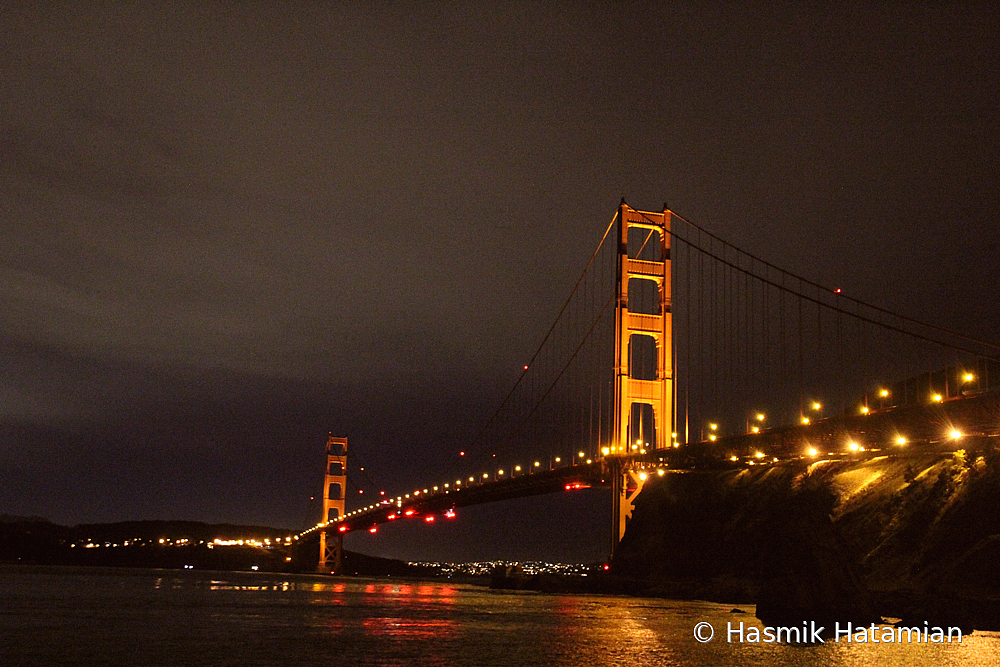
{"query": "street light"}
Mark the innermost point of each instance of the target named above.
(883, 394)
(713, 429)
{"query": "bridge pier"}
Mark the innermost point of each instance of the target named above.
(626, 485)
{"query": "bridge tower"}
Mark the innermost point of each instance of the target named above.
(334, 504)
(641, 399)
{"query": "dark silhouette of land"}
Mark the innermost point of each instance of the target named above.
(174, 544)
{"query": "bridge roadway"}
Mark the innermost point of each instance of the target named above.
(975, 420)
(431, 504)
(890, 428)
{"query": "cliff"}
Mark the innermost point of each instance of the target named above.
(915, 536)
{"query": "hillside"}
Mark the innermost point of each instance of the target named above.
(915, 536)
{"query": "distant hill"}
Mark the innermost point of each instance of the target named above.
(11, 518)
(175, 545)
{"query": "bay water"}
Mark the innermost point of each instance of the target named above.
(88, 616)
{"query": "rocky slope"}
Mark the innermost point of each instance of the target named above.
(913, 536)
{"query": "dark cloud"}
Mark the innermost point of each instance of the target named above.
(228, 229)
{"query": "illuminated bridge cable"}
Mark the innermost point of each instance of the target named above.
(358, 470)
(858, 302)
(477, 439)
(568, 362)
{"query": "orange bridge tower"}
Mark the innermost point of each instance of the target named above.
(644, 377)
(334, 504)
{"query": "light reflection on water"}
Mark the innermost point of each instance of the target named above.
(76, 616)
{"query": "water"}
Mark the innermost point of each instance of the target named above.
(77, 616)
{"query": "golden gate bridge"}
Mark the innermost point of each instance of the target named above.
(675, 349)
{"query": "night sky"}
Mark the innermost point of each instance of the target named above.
(229, 229)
